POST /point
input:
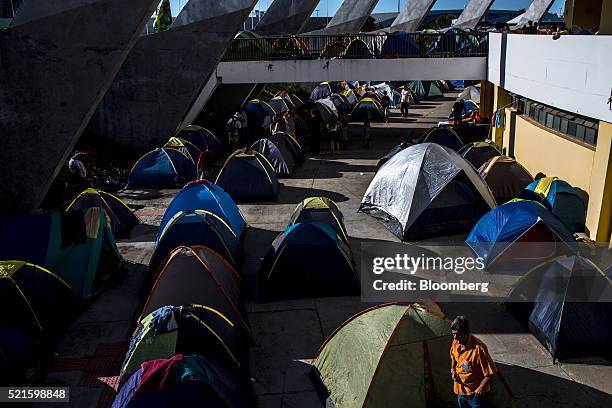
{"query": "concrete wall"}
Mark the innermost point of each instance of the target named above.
(572, 73)
(535, 12)
(58, 58)
(471, 68)
(286, 16)
(165, 72)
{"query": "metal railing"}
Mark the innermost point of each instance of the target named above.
(358, 46)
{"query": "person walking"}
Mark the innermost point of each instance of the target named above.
(233, 129)
(334, 136)
(472, 368)
(405, 97)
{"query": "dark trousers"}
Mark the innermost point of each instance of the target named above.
(315, 142)
(471, 401)
(404, 109)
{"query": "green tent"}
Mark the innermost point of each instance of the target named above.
(426, 89)
(389, 356)
(248, 45)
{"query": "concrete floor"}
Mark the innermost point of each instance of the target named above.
(288, 334)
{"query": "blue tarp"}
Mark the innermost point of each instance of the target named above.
(162, 168)
(204, 195)
(400, 45)
(498, 229)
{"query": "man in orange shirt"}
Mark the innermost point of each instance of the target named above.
(472, 368)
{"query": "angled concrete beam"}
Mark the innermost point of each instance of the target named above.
(412, 15)
(286, 17)
(534, 13)
(165, 73)
(472, 14)
(350, 17)
(58, 59)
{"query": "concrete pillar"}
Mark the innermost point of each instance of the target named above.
(165, 73)
(501, 98)
(58, 59)
(535, 12)
(599, 212)
(605, 21)
(286, 17)
(350, 17)
(486, 99)
(472, 14)
(412, 15)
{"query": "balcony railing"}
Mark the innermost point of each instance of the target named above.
(357, 46)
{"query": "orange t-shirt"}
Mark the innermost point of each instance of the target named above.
(472, 364)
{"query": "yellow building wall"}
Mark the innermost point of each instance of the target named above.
(583, 13)
(605, 22)
(541, 150)
(501, 98)
(599, 214)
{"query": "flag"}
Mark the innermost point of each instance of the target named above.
(163, 17)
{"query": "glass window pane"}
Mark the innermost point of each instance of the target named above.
(564, 124)
(580, 131)
(589, 137)
(549, 120)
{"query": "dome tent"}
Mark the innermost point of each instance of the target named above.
(478, 153)
(506, 178)
(162, 168)
(320, 209)
(392, 355)
(427, 190)
(121, 217)
(271, 152)
(444, 136)
(248, 176)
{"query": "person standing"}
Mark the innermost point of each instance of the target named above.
(404, 102)
(314, 130)
(334, 136)
(233, 129)
(472, 368)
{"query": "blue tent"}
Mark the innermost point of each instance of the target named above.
(204, 195)
(274, 156)
(259, 109)
(198, 227)
(561, 198)
(400, 44)
(162, 168)
(248, 176)
(566, 304)
(516, 221)
(308, 260)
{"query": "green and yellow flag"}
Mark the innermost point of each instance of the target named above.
(163, 17)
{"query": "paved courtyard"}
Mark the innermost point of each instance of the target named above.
(288, 334)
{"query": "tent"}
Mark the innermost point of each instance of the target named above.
(248, 45)
(357, 49)
(189, 329)
(561, 198)
(506, 177)
(21, 356)
(327, 110)
(202, 138)
(524, 222)
(279, 104)
(292, 99)
(341, 103)
(426, 89)
(478, 153)
(259, 109)
(444, 86)
(198, 275)
(427, 190)
(566, 304)
(323, 210)
(335, 47)
(288, 145)
(391, 153)
(323, 90)
(291, 46)
(34, 300)
(271, 152)
(77, 246)
(183, 381)
(248, 176)
(400, 44)
(444, 136)
(186, 147)
(391, 355)
(350, 96)
(204, 195)
(197, 227)
(121, 217)
(161, 168)
(360, 111)
(308, 260)
(470, 93)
